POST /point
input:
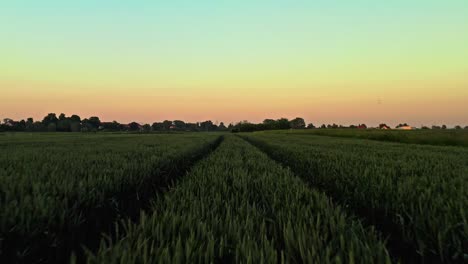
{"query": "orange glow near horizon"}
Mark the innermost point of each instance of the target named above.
(327, 106)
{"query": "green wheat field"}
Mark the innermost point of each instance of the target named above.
(263, 197)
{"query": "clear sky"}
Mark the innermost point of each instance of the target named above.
(327, 61)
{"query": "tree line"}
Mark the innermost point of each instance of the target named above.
(299, 123)
(74, 123)
(271, 124)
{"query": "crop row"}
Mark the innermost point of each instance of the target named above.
(442, 137)
(415, 194)
(238, 205)
(59, 192)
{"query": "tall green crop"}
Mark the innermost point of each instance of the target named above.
(60, 191)
(416, 194)
(442, 137)
(239, 206)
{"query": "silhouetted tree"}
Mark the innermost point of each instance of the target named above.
(270, 124)
(52, 127)
(297, 123)
(244, 126)
(283, 123)
(94, 121)
(62, 116)
(111, 126)
(222, 127)
(146, 128)
(75, 118)
(207, 126)
(74, 123)
(63, 124)
(157, 126)
(310, 126)
(50, 118)
(30, 124)
(21, 125)
(89, 126)
(75, 126)
(38, 126)
(167, 124)
(192, 126)
(179, 125)
(134, 126)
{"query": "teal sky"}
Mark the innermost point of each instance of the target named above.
(239, 50)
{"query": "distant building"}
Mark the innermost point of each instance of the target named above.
(405, 128)
(8, 122)
(362, 126)
(384, 127)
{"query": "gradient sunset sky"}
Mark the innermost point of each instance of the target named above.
(341, 62)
